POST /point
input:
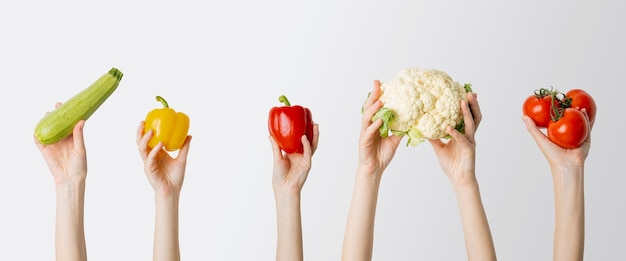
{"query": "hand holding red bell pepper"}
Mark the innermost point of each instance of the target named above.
(288, 123)
(169, 126)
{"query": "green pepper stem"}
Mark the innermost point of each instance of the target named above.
(284, 100)
(160, 99)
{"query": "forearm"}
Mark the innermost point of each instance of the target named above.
(359, 235)
(289, 244)
(166, 245)
(478, 240)
(569, 232)
(70, 232)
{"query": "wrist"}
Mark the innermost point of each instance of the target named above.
(287, 203)
(464, 180)
(282, 196)
(567, 170)
(466, 188)
(166, 198)
(73, 187)
(366, 174)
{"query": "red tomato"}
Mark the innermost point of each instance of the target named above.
(582, 100)
(571, 130)
(538, 109)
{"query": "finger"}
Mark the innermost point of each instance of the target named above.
(589, 125)
(372, 129)
(276, 152)
(57, 105)
(184, 150)
(436, 144)
(40, 146)
(470, 126)
(456, 135)
(537, 135)
(308, 151)
(373, 95)
(154, 152)
(396, 139)
(366, 120)
(151, 157)
(139, 132)
(77, 136)
(143, 144)
(472, 99)
(316, 136)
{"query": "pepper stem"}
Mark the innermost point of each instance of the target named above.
(284, 100)
(160, 99)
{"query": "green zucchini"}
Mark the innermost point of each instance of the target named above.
(59, 123)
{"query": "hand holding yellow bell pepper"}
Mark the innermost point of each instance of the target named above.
(169, 126)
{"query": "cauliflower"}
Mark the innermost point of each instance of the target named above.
(421, 103)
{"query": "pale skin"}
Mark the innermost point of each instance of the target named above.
(165, 174)
(457, 159)
(290, 171)
(67, 161)
(568, 168)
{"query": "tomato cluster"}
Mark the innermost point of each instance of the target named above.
(562, 115)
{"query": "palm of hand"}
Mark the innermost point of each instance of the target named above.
(375, 153)
(290, 173)
(166, 174)
(66, 161)
(558, 156)
(456, 159)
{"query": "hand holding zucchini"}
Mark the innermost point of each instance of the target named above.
(59, 123)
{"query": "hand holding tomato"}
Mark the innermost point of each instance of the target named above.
(568, 117)
(287, 124)
(557, 156)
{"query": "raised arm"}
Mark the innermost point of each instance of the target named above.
(166, 175)
(568, 168)
(290, 171)
(375, 154)
(457, 158)
(67, 161)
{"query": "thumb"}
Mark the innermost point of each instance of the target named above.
(534, 131)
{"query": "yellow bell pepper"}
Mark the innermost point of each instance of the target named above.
(168, 126)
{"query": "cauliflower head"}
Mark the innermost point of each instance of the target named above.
(421, 103)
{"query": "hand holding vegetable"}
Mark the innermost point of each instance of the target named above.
(556, 155)
(67, 158)
(169, 127)
(421, 103)
(562, 115)
(287, 124)
(59, 123)
(457, 157)
(165, 173)
(291, 169)
(375, 151)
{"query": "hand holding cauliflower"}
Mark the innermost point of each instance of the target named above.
(421, 103)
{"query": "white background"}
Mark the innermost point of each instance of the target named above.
(225, 63)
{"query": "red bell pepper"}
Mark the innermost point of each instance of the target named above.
(288, 123)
